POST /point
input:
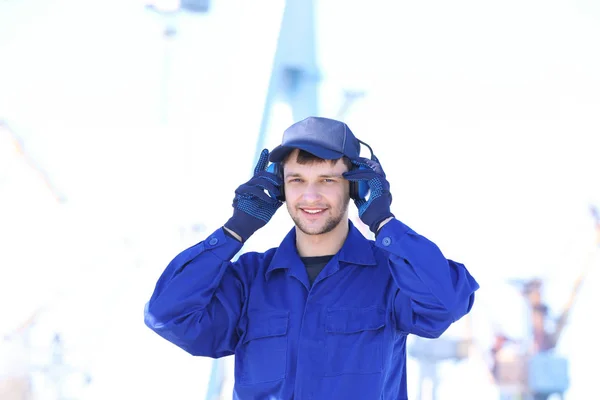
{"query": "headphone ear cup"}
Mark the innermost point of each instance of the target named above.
(277, 169)
(360, 189)
(280, 175)
(353, 191)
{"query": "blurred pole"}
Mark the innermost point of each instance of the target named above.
(167, 11)
(294, 75)
(169, 36)
(294, 79)
(196, 6)
(350, 97)
(216, 380)
(428, 380)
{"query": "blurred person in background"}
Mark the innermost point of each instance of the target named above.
(326, 314)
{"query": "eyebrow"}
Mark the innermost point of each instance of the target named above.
(297, 175)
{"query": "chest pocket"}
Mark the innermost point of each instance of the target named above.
(354, 340)
(262, 356)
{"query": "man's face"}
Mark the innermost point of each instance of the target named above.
(317, 195)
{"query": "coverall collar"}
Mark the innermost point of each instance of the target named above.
(355, 250)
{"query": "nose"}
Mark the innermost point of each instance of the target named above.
(311, 194)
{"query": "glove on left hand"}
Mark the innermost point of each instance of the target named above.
(377, 208)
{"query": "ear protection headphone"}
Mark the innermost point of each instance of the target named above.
(358, 190)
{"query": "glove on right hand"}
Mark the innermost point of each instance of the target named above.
(253, 208)
(377, 208)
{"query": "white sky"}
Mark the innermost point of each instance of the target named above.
(484, 115)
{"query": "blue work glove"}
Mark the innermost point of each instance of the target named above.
(377, 208)
(252, 207)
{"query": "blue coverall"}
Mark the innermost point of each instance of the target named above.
(343, 338)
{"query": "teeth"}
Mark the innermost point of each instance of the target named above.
(313, 211)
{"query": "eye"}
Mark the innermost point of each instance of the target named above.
(329, 180)
(295, 180)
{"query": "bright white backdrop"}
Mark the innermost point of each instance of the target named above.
(485, 117)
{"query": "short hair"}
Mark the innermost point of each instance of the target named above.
(303, 157)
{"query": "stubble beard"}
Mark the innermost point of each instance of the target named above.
(330, 223)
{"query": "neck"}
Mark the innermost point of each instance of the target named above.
(324, 244)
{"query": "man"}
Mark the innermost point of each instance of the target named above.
(326, 314)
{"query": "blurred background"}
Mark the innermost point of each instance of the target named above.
(125, 127)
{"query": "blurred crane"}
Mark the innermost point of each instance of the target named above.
(8, 134)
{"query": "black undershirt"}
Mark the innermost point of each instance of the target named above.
(314, 265)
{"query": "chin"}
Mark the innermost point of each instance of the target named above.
(313, 231)
(325, 227)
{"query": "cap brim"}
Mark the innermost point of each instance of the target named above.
(280, 152)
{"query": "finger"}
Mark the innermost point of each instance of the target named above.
(271, 177)
(265, 182)
(368, 163)
(361, 161)
(360, 175)
(257, 192)
(263, 160)
(252, 190)
(274, 190)
(375, 166)
(360, 202)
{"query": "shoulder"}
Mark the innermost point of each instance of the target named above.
(380, 254)
(257, 258)
(253, 263)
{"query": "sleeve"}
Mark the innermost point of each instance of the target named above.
(198, 299)
(433, 292)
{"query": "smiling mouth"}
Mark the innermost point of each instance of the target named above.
(313, 211)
